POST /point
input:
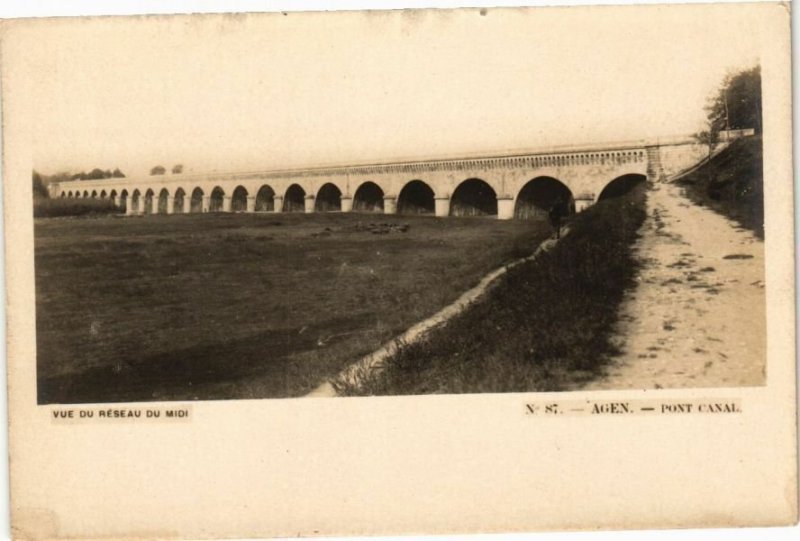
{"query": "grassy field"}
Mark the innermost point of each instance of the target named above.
(732, 183)
(544, 327)
(220, 306)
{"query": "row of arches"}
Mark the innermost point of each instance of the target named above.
(472, 197)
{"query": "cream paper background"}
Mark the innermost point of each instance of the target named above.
(429, 464)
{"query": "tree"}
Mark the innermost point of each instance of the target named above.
(737, 103)
(39, 189)
(158, 170)
(178, 169)
(95, 174)
(708, 138)
(117, 173)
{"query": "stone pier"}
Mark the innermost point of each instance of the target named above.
(442, 207)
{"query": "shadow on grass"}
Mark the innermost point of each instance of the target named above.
(213, 371)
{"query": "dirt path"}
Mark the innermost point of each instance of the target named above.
(697, 315)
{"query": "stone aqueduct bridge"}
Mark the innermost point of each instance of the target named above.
(507, 185)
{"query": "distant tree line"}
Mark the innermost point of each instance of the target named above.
(40, 181)
(97, 174)
(161, 170)
(735, 105)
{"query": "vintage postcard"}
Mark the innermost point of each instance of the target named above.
(389, 272)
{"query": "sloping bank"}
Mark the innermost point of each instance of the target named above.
(545, 326)
(732, 183)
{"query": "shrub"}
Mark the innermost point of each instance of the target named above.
(732, 183)
(51, 208)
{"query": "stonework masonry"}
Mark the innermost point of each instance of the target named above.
(585, 172)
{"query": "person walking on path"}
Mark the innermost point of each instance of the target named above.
(556, 214)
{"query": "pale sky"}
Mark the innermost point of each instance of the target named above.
(272, 91)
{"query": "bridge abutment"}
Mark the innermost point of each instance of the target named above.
(187, 204)
(277, 203)
(206, 203)
(170, 204)
(226, 203)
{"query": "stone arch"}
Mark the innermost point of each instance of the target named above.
(94, 194)
(329, 198)
(163, 202)
(294, 199)
(196, 203)
(123, 199)
(177, 201)
(538, 196)
(265, 199)
(85, 194)
(148, 202)
(216, 200)
(103, 194)
(368, 198)
(621, 185)
(136, 200)
(473, 197)
(416, 197)
(239, 199)
(69, 194)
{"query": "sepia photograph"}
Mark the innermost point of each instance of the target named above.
(399, 271)
(294, 236)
